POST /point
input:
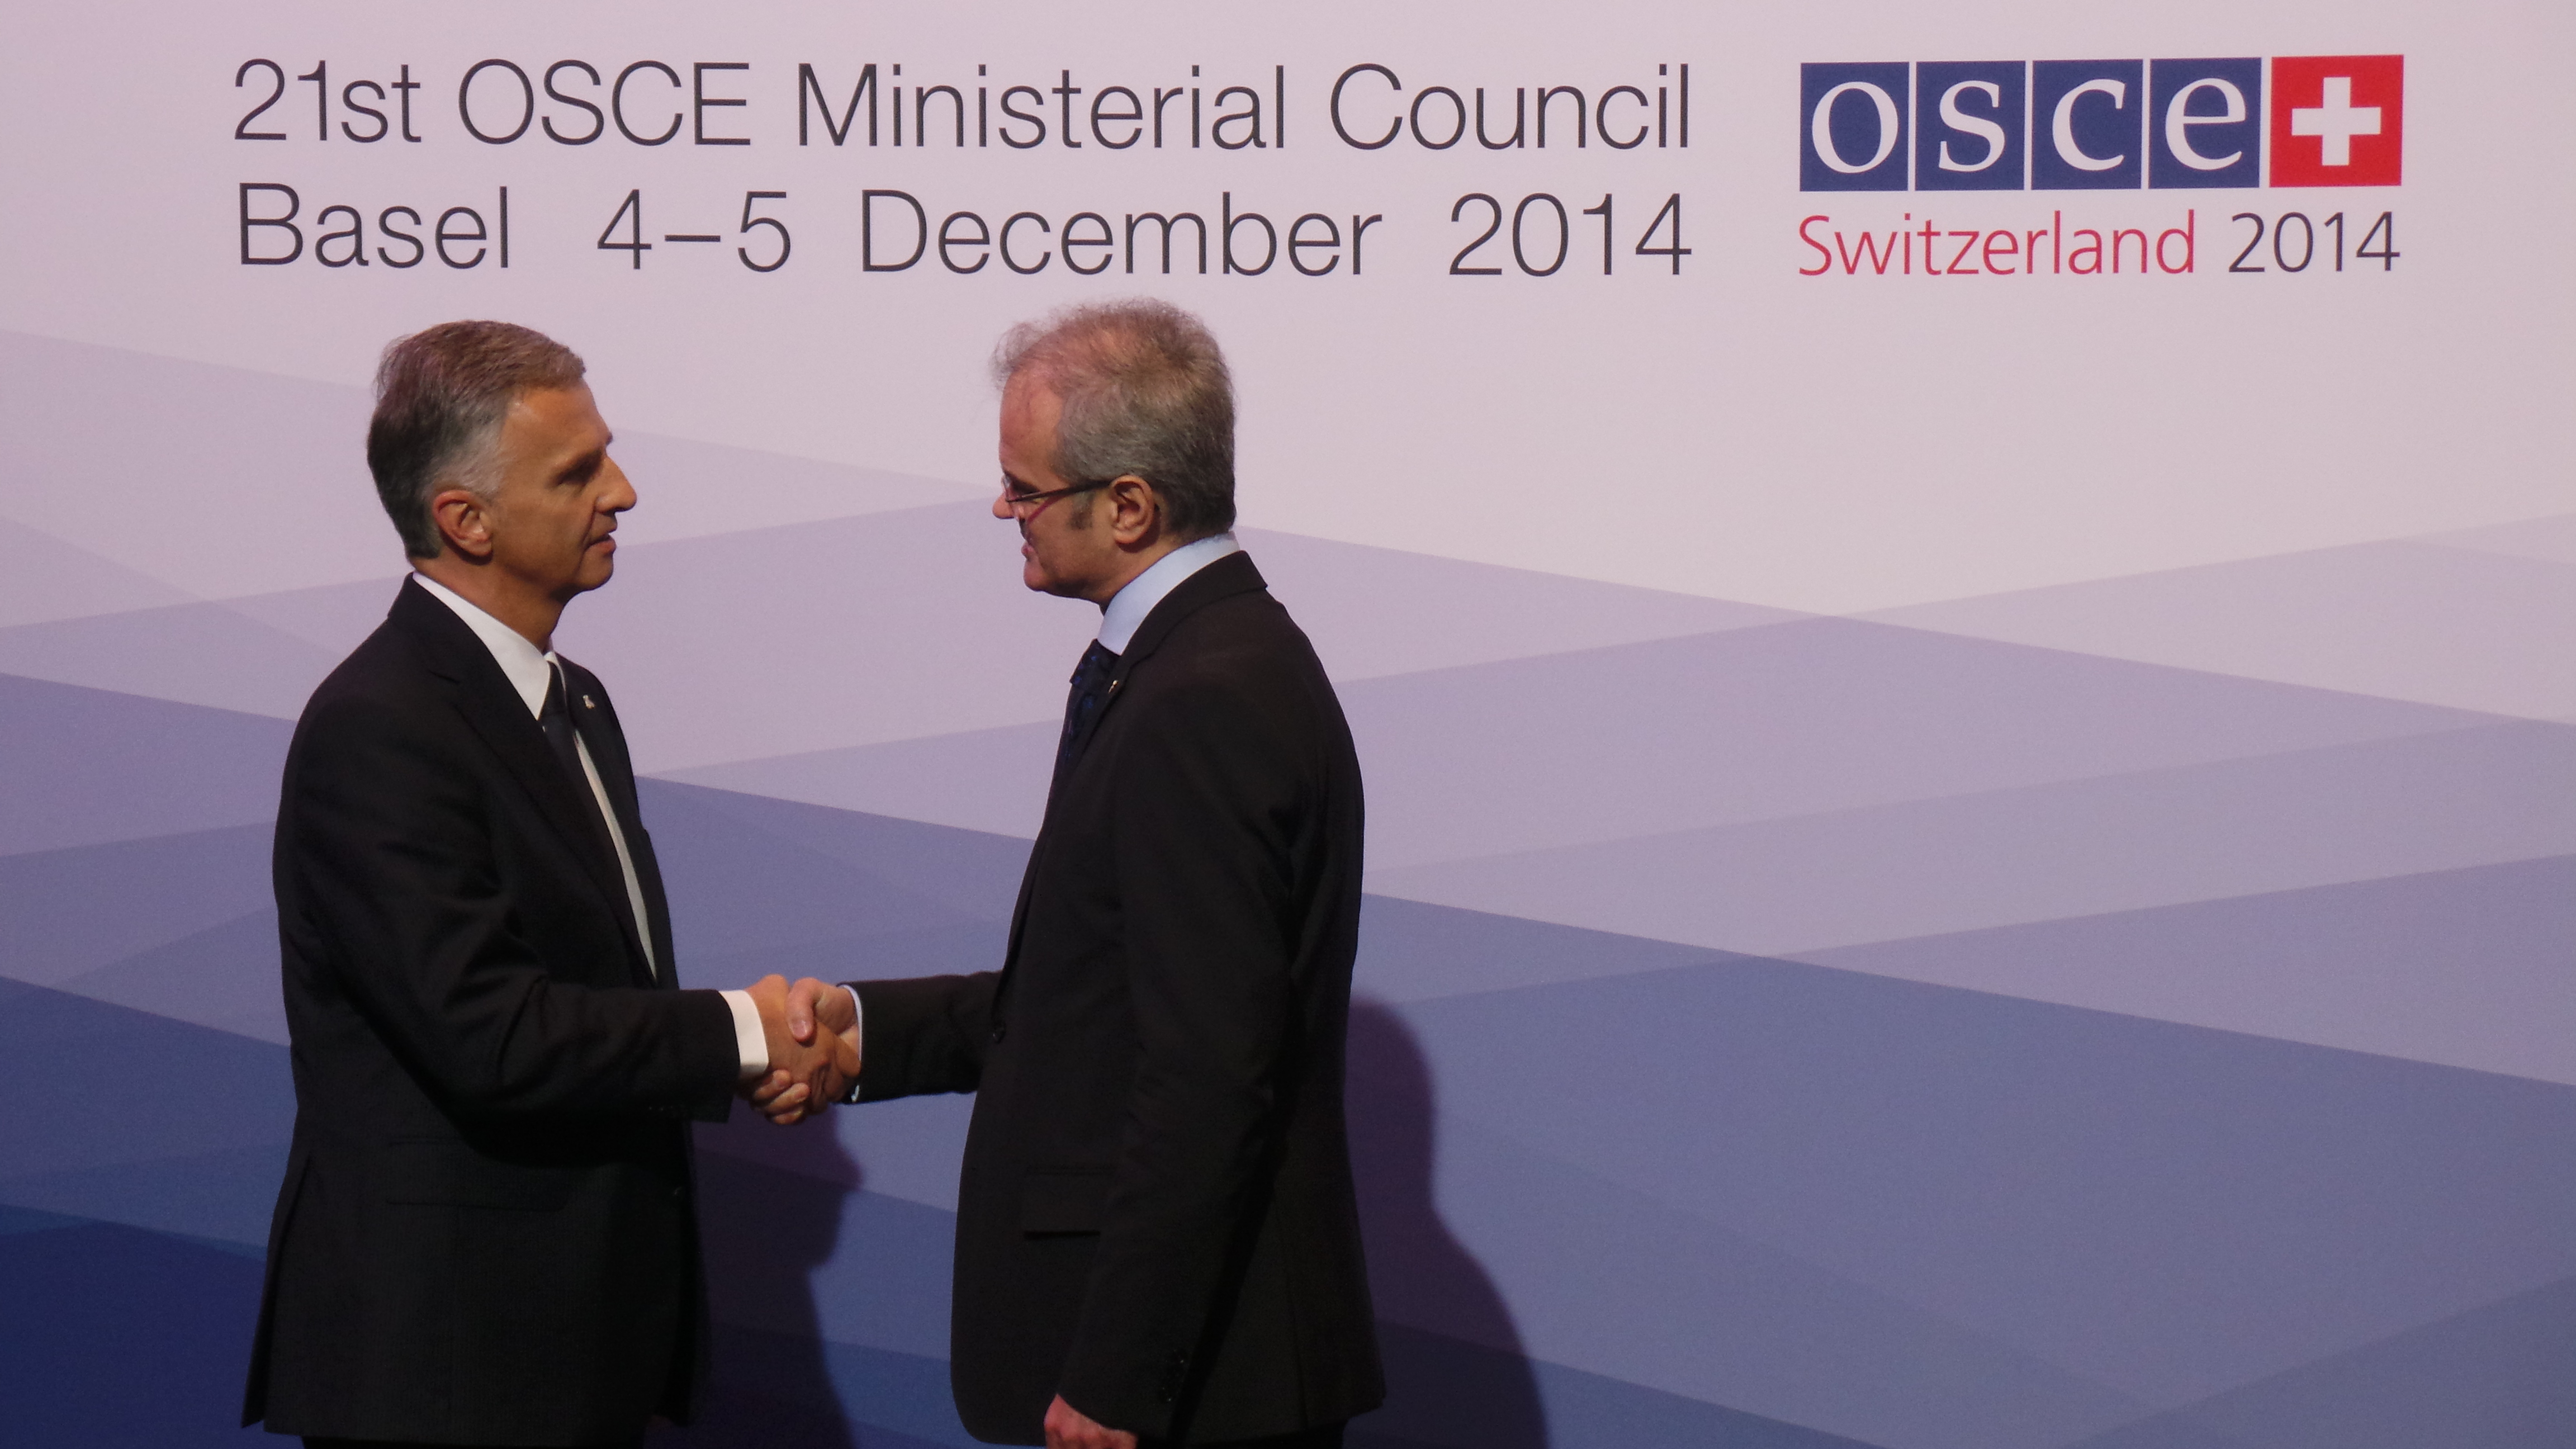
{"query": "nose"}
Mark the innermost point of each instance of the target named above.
(1002, 503)
(620, 493)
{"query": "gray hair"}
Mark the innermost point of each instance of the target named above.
(1145, 391)
(441, 395)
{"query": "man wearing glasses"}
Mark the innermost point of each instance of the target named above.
(1157, 1238)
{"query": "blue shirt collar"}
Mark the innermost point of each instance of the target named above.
(1128, 608)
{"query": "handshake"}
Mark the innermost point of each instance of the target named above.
(812, 1029)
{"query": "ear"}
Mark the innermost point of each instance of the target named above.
(1135, 511)
(464, 522)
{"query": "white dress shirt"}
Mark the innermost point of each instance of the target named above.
(529, 671)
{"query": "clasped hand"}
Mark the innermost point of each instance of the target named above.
(812, 1031)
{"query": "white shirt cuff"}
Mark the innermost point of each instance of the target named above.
(749, 1038)
(859, 1029)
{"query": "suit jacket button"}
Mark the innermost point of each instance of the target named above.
(679, 1194)
(999, 1032)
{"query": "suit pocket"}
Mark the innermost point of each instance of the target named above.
(1063, 1199)
(453, 1174)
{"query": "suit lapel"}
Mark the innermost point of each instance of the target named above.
(482, 694)
(1019, 917)
(1223, 579)
(1231, 575)
(596, 721)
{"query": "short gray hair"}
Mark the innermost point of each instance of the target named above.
(1145, 391)
(441, 395)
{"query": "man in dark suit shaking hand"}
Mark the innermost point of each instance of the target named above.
(1157, 1238)
(487, 1231)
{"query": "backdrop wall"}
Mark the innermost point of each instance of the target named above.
(1973, 841)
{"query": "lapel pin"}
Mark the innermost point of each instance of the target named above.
(586, 703)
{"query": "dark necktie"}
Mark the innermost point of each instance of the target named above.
(556, 720)
(563, 737)
(1090, 689)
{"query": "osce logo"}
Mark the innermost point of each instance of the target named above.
(2059, 125)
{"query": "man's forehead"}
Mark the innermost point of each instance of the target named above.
(1027, 414)
(568, 412)
(1029, 393)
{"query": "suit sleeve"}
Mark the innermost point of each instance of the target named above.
(928, 1034)
(388, 836)
(1209, 793)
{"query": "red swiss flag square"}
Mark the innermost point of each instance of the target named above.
(2337, 120)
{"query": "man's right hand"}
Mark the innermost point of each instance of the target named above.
(807, 1072)
(785, 1096)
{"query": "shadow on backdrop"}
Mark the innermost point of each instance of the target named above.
(770, 1203)
(1456, 1373)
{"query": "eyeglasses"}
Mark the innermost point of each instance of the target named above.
(1030, 505)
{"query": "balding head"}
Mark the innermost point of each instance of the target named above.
(1145, 392)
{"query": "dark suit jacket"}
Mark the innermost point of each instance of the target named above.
(1156, 1216)
(486, 1232)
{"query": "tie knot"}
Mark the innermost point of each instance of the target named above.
(1097, 662)
(1090, 682)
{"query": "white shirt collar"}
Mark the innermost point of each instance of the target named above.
(529, 668)
(1129, 606)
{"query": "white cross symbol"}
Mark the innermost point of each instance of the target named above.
(2336, 122)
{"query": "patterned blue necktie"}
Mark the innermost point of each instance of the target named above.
(1090, 688)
